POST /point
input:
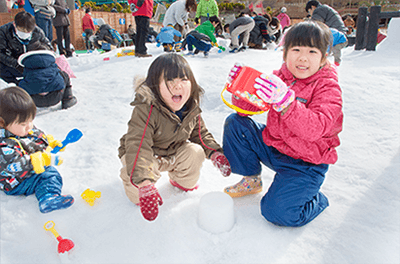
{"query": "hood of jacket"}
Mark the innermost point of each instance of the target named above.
(41, 73)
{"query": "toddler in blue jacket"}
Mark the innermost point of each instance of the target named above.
(166, 38)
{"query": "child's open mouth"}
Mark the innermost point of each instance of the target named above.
(176, 98)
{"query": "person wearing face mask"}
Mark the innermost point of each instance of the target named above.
(17, 38)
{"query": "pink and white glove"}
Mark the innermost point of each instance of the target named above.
(272, 90)
(234, 72)
(149, 200)
(221, 162)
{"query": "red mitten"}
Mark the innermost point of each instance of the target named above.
(221, 162)
(149, 200)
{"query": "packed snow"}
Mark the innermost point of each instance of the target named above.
(361, 225)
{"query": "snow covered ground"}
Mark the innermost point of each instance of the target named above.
(361, 225)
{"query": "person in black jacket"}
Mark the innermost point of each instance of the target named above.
(17, 38)
(103, 34)
(61, 23)
(260, 33)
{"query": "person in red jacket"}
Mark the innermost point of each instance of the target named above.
(299, 140)
(88, 28)
(142, 10)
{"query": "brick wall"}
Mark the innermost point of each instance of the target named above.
(76, 23)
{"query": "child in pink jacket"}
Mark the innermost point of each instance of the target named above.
(299, 140)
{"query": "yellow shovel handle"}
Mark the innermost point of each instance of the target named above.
(238, 109)
(49, 226)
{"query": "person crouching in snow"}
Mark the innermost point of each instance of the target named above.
(45, 82)
(166, 133)
(301, 135)
(26, 165)
(241, 26)
(198, 40)
(166, 37)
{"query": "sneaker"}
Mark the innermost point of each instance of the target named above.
(143, 55)
(337, 63)
(206, 54)
(248, 185)
(69, 102)
(235, 50)
(196, 51)
(51, 202)
(242, 48)
(183, 188)
(189, 54)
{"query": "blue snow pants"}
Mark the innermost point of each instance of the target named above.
(293, 199)
(48, 182)
(199, 44)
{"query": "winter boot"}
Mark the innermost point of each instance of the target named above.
(69, 102)
(178, 46)
(183, 188)
(51, 202)
(68, 99)
(248, 185)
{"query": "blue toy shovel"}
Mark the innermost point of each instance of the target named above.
(73, 136)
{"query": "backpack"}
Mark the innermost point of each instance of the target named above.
(115, 35)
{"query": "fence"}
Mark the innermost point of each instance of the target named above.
(368, 25)
(118, 21)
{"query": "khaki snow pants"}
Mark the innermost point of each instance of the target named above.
(183, 168)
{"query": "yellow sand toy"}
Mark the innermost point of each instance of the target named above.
(126, 52)
(90, 196)
(65, 245)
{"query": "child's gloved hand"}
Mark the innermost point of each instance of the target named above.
(272, 90)
(234, 72)
(221, 162)
(53, 142)
(41, 159)
(149, 200)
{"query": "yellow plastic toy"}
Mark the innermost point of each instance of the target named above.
(90, 196)
(126, 52)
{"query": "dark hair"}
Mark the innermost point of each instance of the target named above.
(311, 3)
(226, 26)
(190, 5)
(16, 106)
(87, 10)
(37, 45)
(172, 66)
(25, 20)
(215, 19)
(308, 34)
(275, 22)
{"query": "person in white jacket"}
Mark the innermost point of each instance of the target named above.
(177, 15)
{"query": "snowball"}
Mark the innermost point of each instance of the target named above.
(216, 214)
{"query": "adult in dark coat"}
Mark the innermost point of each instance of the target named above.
(325, 14)
(16, 39)
(103, 34)
(61, 23)
(259, 32)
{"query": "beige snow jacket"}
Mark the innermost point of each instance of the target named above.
(164, 134)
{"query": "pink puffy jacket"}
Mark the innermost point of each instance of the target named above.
(309, 129)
